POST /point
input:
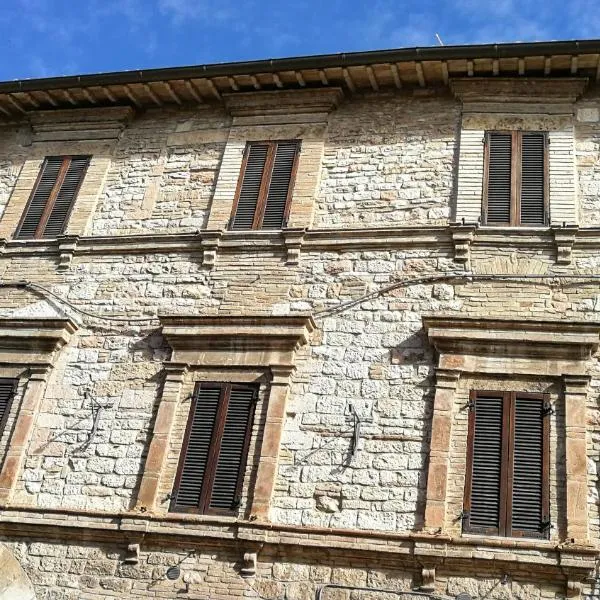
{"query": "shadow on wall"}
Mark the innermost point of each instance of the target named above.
(14, 583)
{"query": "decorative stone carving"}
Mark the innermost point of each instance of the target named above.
(462, 236)
(564, 238)
(293, 242)
(249, 561)
(66, 248)
(427, 579)
(209, 241)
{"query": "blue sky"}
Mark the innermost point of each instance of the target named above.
(43, 38)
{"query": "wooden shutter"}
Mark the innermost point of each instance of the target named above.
(265, 185)
(8, 388)
(252, 174)
(483, 489)
(533, 176)
(507, 476)
(499, 178)
(515, 178)
(279, 185)
(530, 468)
(52, 199)
(215, 447)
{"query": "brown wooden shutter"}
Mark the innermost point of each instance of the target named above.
(229, 473)
(499, 178)
(249, 191)
(280, 185)
(265, 185)
(530, 468)
(196, 447)
(215, 447)
(8, 388)
(507, 475)
(533, 175)
(51, 201)
(483, 489)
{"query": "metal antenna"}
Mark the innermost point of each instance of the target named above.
(439, 39)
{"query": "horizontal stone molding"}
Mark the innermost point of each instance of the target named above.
(384, 238)
(408, 548)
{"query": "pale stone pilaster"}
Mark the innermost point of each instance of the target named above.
(19, 441)
(159, 445)
(269, 453)
(441, 428)
(576, 387)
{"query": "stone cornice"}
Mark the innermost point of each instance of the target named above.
(285, 102)
(33, 340)
(408, 548)
(550, 89)
(529, 344)
(236, 341)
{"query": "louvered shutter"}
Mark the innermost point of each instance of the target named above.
(66, 196)
(484, 510)
(40, 196)
(499, 178)
(233, 450)
(279, 187)
(214, 450)
(196, 448)
(249, 192)
(533, 178)
(529, 515)
(8, 387)
(52, 199)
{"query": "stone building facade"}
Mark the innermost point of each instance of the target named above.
(366, 324)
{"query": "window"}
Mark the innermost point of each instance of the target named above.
(8, 388)
(213, 456)
(506, 487)
(515, 188)
(264, 190)
(52, 198)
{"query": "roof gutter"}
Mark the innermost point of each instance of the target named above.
(323, 61)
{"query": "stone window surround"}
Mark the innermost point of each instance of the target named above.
(217, 347)
(28, 349)
(268, 116)
(92, 132)
(556, 350)
(528, 105)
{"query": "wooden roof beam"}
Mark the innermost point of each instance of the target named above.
(521, 66)
(16, 103)
(445, 73)
(300, 79)
(255, 82)
(69, 98)
(234, 86)
(420, 73)
(574, 65)
(88, 96)
(31, 100)
(372, 78)
(598, 69)
(49, 98)
(194, 91)
(547, 65)
(213, 89)
(470, 68)
(277, 81)
(495, 66)
(5, 111)
(396, 76)
(348, 80)
(152, 95)
(129, 93)
(323, 77)
(108, 94)
(172, 93)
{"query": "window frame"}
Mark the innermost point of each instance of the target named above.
(9, 404)
(516, 170)
(50, 203)
(504, 528)
(208, 479)
(261, 202)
